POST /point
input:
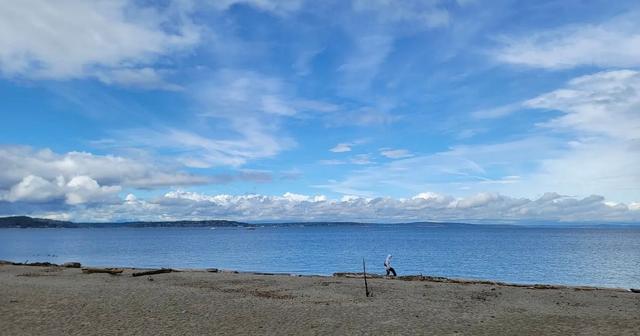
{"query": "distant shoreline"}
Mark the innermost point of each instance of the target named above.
(25, 222)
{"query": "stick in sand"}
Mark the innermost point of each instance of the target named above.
(364, 272)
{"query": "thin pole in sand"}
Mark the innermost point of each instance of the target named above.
(364, 272)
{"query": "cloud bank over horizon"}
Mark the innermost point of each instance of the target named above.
(480, 208)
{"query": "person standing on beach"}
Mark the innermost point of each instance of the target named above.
(387, 266)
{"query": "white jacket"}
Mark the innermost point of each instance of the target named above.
(387, 262)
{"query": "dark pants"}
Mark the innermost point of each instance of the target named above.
(391, 270)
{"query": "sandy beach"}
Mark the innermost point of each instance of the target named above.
(64, 301)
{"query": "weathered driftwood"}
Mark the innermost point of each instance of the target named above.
(152, 272)
(355, 275)
(45, 264)
(112, 271)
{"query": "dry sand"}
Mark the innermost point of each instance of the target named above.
(64, 301)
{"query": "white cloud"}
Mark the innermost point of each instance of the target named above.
(84, 189)
(79, 190)
(25, 171)
(615, 43)
(341, 148)
(606, 103)
(395, 153)
(428, 206)
(77, 39)
(34, 189)
(601, 112)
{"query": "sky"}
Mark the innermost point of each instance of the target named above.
(296, 110)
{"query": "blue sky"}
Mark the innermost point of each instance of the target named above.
(299, 110)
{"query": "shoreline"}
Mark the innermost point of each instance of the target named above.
(55, 300)
(355, 275)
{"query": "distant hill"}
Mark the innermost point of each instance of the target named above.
(29, 222)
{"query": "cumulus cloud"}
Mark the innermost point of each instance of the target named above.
(427, 206)
(78, 39)
(80, 189)
(615, 43)
(29, 175)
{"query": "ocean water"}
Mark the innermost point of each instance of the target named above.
(608, 257)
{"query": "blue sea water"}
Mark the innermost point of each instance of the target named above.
(608, 257)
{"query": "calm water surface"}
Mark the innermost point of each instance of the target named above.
(603, 257)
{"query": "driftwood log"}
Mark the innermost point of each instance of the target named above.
(152, 272)
(42, 264)
(112, 271)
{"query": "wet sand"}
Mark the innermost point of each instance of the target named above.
(38, 300)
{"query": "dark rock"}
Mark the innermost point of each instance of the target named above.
(72, 264)
(212, 270)
(635, 290)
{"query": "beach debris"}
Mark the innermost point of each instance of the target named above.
(635, 290)
(152, 272)
(269, 273)
(212, 270)
(72, 264)
(541, 286)
(355, 275)
(112, 271)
